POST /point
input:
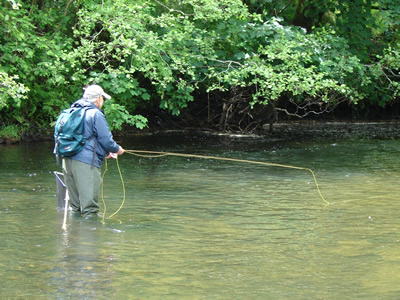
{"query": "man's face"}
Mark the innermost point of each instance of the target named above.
(99, 102)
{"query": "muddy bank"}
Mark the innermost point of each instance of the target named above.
(37, 137)
(309, 130)
(299, 130)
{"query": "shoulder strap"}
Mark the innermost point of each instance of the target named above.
(86, 108)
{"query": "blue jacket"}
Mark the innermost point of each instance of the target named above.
(95, 126)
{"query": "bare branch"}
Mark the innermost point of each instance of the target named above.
(172, 9)
(310, 107)
(286, 6)
(66, 8)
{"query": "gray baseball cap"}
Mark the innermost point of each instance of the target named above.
(93, 91)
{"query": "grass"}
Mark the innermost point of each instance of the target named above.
(10, 132)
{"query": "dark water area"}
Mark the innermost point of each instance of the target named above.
(192, 228)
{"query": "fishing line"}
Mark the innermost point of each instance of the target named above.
(102, 191)
(145, 153)
(123, 189)
(155, 154)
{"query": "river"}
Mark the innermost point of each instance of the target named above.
(192, 228)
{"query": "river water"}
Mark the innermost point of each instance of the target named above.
(193, 228)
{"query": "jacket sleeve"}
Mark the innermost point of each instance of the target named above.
(103, 133)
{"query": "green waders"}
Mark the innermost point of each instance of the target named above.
(83, 182)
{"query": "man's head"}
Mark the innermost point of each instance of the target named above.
(95, 94)
(92, 92)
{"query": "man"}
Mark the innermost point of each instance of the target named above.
(82, 171)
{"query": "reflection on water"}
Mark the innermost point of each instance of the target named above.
(194, 228)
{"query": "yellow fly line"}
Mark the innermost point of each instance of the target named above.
(152, 154)
(159, 153)
(102, 192)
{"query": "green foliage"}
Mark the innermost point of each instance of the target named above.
(123, 87)
(170, 48)
(28, 48)
(288, 62)
(10, 132)
(162, 53)
(384, 79)
(11, 92)
(117, 115)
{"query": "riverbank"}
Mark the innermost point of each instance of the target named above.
(303, 130)
(350, 129)
(306, 130)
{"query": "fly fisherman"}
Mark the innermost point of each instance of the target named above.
(82, 171)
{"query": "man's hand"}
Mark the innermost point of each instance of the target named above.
(120, 151)
(112, 155)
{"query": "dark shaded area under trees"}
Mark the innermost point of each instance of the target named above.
(233, 114)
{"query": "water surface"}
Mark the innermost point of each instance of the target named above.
(196, 228)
